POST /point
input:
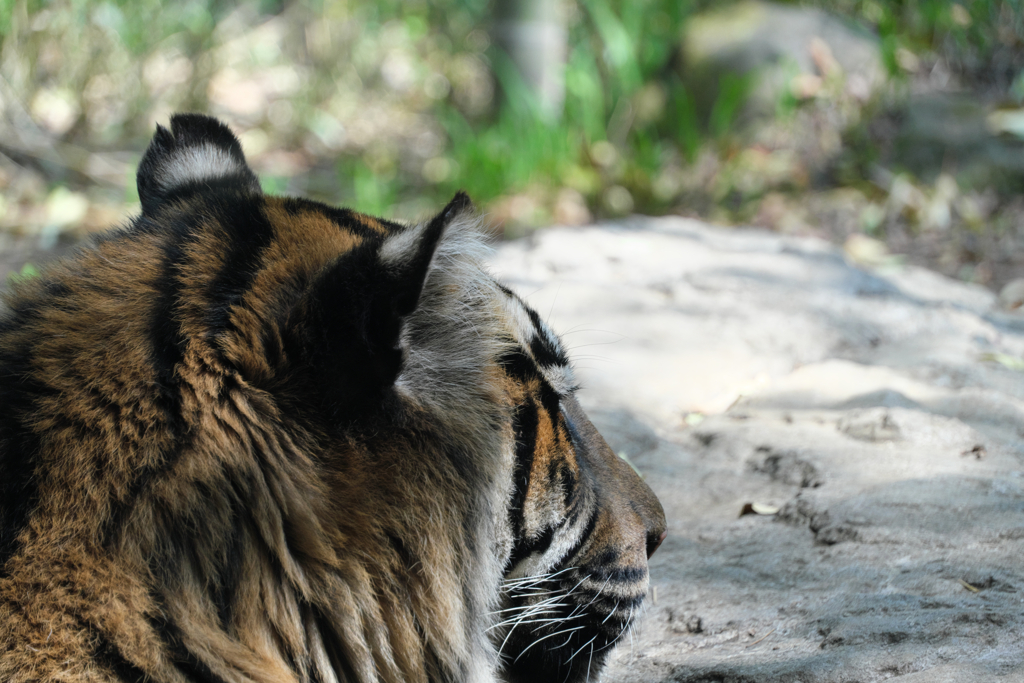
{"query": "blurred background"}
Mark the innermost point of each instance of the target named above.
(893, 128)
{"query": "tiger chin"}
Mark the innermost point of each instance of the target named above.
(253, 438)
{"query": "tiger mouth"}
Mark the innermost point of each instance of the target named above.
(560, 627)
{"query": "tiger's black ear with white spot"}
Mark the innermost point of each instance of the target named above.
(198, 152)
(353, 315)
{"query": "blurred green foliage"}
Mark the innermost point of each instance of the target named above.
(391, 105)
(975, 36)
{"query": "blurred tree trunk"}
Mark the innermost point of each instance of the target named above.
(532, 33)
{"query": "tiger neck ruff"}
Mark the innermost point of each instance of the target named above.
(252, 438)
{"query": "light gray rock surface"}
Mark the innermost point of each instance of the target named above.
(737, 367)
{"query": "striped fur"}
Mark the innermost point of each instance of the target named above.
(262, 439)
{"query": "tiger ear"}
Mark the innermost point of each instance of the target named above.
(355, 311)
(198, 151)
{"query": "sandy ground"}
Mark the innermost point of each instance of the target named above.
(736, 368)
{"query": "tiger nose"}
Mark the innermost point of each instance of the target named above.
(654, 541)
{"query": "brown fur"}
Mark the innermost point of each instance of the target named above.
(218, 518)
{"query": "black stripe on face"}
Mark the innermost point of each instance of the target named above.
(546, 353)
(522, 368)
(616, 575)
(607, 613)
(570, 557)
(518, 366)
(524, 547)
(525, 424)
(552, 405)
(525, 420)
(560, 475)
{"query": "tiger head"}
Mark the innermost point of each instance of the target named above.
(583, 524)
(275, 440)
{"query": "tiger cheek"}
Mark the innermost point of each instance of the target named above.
(538, 506)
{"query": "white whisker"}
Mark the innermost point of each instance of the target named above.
(537, 578)
(550, 635)
(612, 612)
(581, 649)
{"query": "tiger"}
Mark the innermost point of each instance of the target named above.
(263, 439)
